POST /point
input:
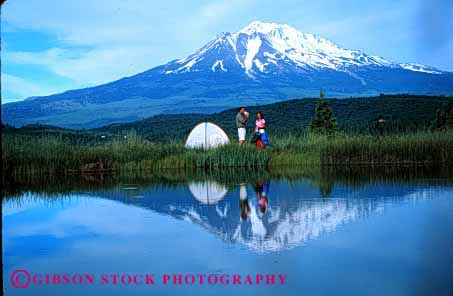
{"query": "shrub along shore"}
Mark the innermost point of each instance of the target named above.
(56, 154)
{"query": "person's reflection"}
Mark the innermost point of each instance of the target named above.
(244, 202)
(262, 190)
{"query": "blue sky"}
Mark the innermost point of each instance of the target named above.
(50, 46)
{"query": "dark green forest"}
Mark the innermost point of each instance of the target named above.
(401, 113)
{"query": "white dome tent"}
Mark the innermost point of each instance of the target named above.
(208, 192)
(206, 135)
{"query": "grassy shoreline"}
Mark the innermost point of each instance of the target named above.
(56, 154)
(324, 178)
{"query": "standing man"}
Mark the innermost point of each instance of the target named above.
(241, 122)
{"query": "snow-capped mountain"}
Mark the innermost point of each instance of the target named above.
(261, 63)
(270, 48)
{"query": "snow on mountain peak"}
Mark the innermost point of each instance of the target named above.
(253, 46)
(420, 68)
(257, 26)
(308, 49)
(261, 46)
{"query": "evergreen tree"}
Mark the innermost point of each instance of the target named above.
(324, 120)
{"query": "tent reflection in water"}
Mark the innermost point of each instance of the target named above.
(208, 192)
(206, 135)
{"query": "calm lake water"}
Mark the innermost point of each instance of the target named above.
(342, 233)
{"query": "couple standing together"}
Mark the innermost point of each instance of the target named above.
(260, 128)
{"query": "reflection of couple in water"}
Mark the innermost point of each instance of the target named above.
(261, 190)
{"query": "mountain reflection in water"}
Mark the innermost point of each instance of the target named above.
(296, 213)
(264, 212)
